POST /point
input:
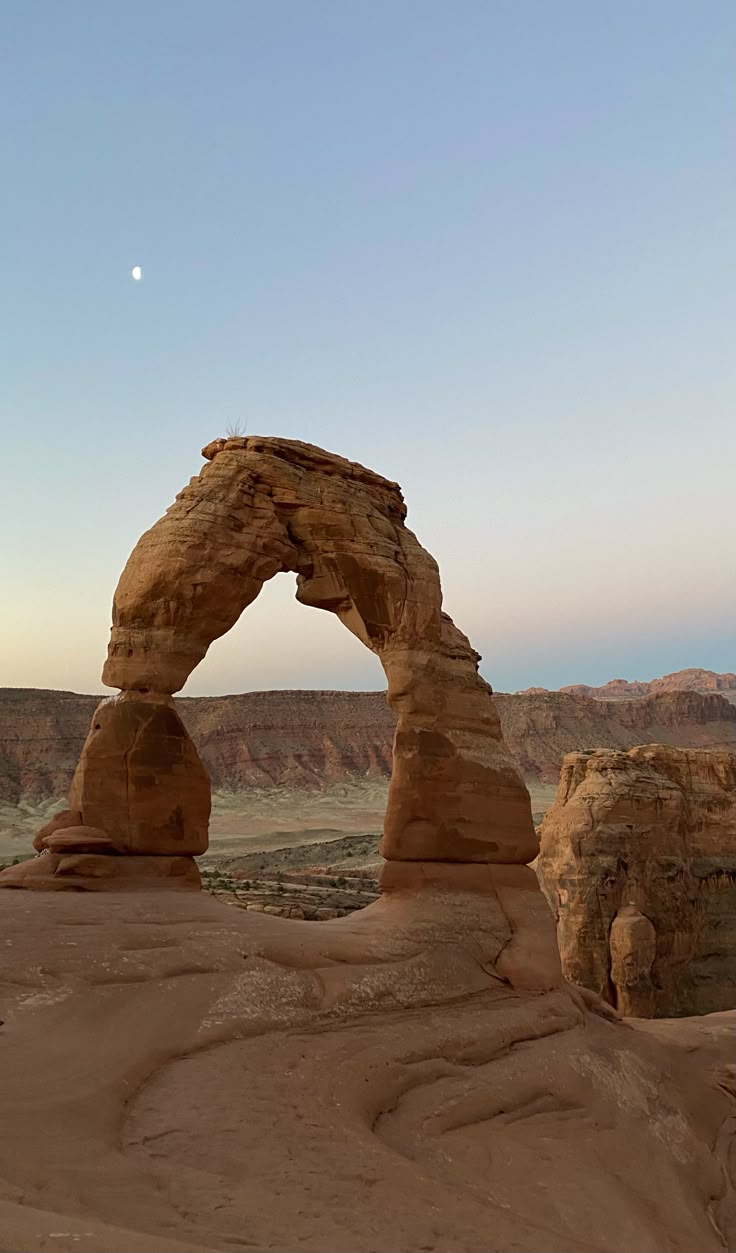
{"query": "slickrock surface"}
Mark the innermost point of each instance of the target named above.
(179, 1075)
(263, 506)
(638, 862)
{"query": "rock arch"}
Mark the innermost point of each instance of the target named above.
(261, 506)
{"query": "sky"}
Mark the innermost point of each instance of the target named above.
(485, 247)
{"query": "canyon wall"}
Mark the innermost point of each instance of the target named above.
(313, 738)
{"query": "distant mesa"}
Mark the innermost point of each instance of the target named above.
(694, 680)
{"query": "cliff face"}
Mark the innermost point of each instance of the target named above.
(540, 728)
(693, 680)
(638, 863)
(297, 739)
(309, 739)
(41, 736)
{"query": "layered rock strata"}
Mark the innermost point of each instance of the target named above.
(638, 862)
(314, 739)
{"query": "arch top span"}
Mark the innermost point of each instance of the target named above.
(263, 505)
(260, 507)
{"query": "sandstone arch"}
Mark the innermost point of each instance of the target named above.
(261, 506)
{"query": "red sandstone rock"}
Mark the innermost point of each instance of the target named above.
(179, 1076)
(632, 944)
(653, 829)
(261, 506)
(90, 872)
(59, 822)
(529, 957)
(139, 779)
(78, 840)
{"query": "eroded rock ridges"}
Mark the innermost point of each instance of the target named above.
(638, 862)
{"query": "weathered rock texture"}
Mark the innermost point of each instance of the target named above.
(540, 729)
(632, 944)
(139, 806)
(140, 780)
(179, 1076)
(638, 862)
(262, 506)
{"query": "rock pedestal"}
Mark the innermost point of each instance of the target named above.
(633, 948)
(140, 780)
(139, 806)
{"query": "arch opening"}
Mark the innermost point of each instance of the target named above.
(278, 645)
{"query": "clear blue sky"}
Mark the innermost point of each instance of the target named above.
(483, 246)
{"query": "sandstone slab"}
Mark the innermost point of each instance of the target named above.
(178, 1075)
(78, 839)
(95, 872)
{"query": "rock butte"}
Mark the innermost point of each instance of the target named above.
(638, 862)
(177, 1075)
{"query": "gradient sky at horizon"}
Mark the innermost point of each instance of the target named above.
(483, 247)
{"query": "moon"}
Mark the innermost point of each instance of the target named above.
(136, 273)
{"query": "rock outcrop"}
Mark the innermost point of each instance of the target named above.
(632, 944)
(180, 1076)
(638, 862)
